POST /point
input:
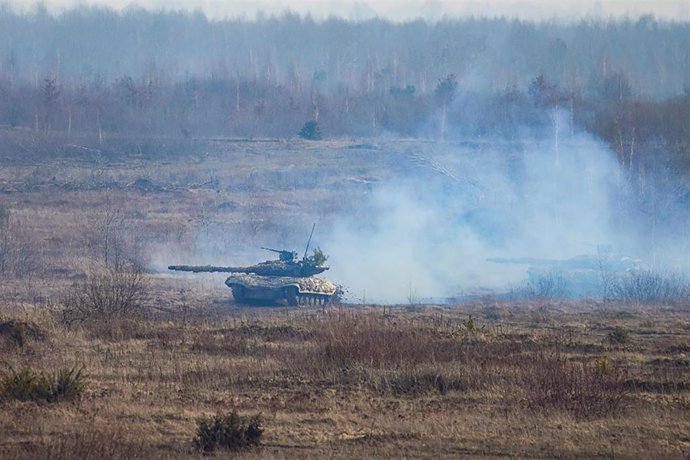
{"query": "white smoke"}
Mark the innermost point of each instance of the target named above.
(428, 234)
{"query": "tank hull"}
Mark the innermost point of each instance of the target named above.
(295, 291)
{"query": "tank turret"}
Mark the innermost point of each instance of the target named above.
(579, 276)
(284, 255)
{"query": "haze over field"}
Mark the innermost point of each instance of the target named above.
(402, 10)
(428, 235)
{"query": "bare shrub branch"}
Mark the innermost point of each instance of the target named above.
(19, 253)
(105, 295)
(646, 287)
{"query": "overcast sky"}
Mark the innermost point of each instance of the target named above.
(400, 10)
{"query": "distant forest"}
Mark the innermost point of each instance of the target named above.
(96, 72)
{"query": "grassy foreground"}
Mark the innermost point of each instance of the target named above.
(496, 380)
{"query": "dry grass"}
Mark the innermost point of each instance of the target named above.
(537, 379)
(354, 380)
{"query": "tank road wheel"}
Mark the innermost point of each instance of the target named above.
(238, 293)
(292, 296)
(322, 299)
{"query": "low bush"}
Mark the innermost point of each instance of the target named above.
(230, 431)
(646, 287)
(586, 390)
(67, 385)
(618, 336)
(541, 285)
(19, 253)
(105, 295)
(18, 332)
(547, 285)
(28, 385)
(310, 131)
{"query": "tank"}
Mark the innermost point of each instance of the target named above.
(581, 276)
(286, 279)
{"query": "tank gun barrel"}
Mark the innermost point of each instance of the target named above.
(263, 269)
(209, 269)
(584, 262)
(521, 261)
(284, 254)
(273, 250)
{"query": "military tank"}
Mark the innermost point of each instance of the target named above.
(286, 279)
(580, 276)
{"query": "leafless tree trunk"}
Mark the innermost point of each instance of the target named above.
(237, 94)
(443, 122)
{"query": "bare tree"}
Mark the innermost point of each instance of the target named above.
(445, 93)
(50, 94)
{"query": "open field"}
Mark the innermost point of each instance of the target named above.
(525, 381)
(498, 379)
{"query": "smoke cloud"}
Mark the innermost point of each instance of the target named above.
(422, 228)
(427, 235)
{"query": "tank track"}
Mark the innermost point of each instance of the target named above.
(306, 299)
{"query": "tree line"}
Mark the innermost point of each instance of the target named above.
(92, 71)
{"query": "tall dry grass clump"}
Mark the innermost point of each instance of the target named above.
(348, 340)
(395, 356)
(86, 442)
(228, 431)
(30, 385)
(586, 390)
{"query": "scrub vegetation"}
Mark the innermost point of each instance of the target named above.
(475, 168)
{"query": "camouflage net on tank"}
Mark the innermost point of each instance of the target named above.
(309, 284)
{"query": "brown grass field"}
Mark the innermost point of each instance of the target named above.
(490, 378)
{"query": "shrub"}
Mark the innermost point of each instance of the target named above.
(28, 385)
(231, 432)
(19, 331)
(469, 324)
(67, 385)
(310, 131)
(646, 287)
(105, 295)
(25, 385)
(547, 285)
(618, 336)
(19, 253)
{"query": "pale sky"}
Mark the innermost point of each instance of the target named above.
(400, 10)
